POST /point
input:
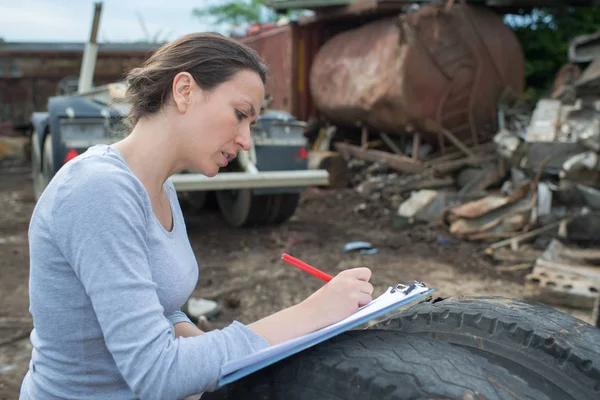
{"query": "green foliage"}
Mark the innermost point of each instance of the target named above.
(246, 12)
(545, 35)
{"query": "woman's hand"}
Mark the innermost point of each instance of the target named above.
(338, 299)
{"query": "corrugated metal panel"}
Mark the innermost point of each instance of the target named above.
(275, 45)
(289, 50)
(309, 40)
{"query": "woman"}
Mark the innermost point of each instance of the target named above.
(111, 264)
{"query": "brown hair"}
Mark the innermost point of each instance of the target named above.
(210, 58)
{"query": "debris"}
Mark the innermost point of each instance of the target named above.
(516, 256)
(585, 228)
(333, 162)
(562, 277)
(560, 289)
(493, 214)
(507, 145)
(512, 268)
(583, 168)
(391, 143)
(396, 162)
(514, 241)
(14, 150)
(549, 135)
(195, 308)
(446, 242)
(364, 248)
(416, 203)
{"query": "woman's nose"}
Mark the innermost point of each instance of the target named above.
(244, 140)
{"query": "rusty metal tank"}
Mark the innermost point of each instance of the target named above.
(432, 70)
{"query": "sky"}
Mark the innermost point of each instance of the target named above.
(70, 20)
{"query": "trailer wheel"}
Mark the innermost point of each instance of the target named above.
(283, 207)
(556, 352)
(378, 365)
(241, 208)
(36, 166)
(195, 200)
(42, 164)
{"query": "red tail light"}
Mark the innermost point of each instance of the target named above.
(302, 154)
(71, 154)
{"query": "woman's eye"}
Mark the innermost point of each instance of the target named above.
(240, 115)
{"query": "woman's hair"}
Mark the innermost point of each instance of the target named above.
(210, 58)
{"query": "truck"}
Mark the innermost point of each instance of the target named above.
(263, 185)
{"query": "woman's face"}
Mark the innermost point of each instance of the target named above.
(215, 125)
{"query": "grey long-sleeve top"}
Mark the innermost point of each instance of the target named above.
(106, 283)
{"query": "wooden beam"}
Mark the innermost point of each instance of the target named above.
(460, 145)
(416, 146)
(394, 161)
(390, 143)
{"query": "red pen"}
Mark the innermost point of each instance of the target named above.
(305, 267)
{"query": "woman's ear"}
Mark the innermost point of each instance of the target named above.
(182, 91)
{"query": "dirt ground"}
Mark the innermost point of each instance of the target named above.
(240, 268)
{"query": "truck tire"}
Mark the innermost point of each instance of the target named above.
(36, 166)
(42, 164)
(241, 208)
(380, 365)
(557, 353)
(283, 207)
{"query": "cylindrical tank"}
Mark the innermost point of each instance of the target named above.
(430, 69)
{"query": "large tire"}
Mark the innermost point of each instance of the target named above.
(557, 353)
(240, 208)
(380, 365)
(42, 164)
(36, 166)
(283, 207)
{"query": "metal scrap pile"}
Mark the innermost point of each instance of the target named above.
(532, 189)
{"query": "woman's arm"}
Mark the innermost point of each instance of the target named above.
(338, 299)
(185, 329)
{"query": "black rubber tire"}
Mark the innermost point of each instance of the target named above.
(42, 164)
(557, 353)
(36, 167)
(283, 207)
(380, 365)
(240, 208)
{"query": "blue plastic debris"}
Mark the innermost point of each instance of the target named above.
(446, 242)
(365, 248)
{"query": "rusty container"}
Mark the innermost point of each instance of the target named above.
(433, 70)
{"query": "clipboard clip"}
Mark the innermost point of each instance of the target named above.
(406, 289)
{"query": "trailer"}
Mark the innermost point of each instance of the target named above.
(262, 186)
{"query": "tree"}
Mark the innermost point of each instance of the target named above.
(243, 13)
(545, 35)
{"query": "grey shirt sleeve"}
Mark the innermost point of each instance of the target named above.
(177, 317)
(101, 230)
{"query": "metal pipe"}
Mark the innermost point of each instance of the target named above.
(245, 180)
(90, 53)
(246, 162)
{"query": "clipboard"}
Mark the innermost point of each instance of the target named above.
(391, 299)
